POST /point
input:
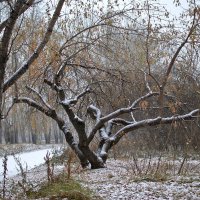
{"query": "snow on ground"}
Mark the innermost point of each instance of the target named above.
(29, 159)
(34, 178)
(19, 148)
(115, 182)
(36, 171)
(118, 182)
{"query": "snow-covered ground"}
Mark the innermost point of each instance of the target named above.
(119, 180)
(20, 148)
(116, 182)
(30, 159)
(30, 156)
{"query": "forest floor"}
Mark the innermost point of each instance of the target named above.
(120, 180)
(131, 179)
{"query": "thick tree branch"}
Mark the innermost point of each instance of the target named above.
(116, 113)
(153, 122)
(38, 50)
(94, 112)
(40, 97)
(76, 98)
(77, 122)
(49, 112)
(24, 8)
(8, 30)
(61, 123)
(105, 136)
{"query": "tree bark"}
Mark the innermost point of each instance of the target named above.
(2, 73)
(1, 132)
(74, 146)
(95, 161)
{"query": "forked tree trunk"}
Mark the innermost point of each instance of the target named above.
(103, 126)
(84, 154)
(95, 161)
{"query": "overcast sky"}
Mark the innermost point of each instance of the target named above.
(175, 9)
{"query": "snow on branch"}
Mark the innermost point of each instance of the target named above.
(34, 104)
(24, 7)
(147, 83)
(37, 51)
(63, 100)
(119, 121)
(153, 122)
(40, 97)
(128, 109)
(148, 95)
(58, 89)
(73, 101)
(78, 123)
(94, 112)
(103, 120)
(116, 121)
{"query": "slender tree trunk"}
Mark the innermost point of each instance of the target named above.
(29, 136)
(1, 132)
(61, 137)
(56, 136)
(2, 73)
(47, 137)
(23, 136)
(34, 137)
(7, 133)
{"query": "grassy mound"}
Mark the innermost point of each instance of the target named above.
(61, 188)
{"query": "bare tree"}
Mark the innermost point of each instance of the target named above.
(74, 82)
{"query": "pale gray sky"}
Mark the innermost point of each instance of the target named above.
(172, 8)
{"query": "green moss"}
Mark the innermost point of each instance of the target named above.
(61, 188)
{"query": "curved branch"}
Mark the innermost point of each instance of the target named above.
(116, 113)
(8, 83)
(171, 64)
(49, 112)
(152, 122)
(25, 7)
(94, 112)
(61, 123)
(76, 98)
(40, 97)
